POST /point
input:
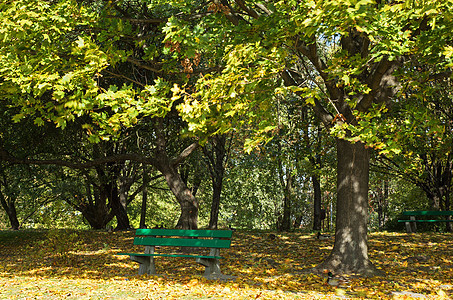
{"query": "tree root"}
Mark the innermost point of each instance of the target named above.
(334, 265)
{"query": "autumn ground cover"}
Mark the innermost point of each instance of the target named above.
(60, 264)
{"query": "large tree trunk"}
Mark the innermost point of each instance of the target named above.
(96, 219)
(10, 209)
(93, 206)
(118, 207)
(188, 203)
(350, 252)
(12, 216)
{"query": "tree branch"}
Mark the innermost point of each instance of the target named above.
(184, 154)
(124, 77)
(263, 8)
(143, 66)
(311, 52)
(249, 11)
(441, 75)
(324, 115)
(229, 14)
(134, 20)
(5, 156)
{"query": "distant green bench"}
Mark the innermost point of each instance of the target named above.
(411, 223)
(212, 240)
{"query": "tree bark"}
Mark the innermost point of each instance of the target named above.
(449, 225)
(215, 204)
(144, 199)
(381, 201)
(168, 167)
(287, 204)
(93, 205)
(350, 251)
(188, 203)
(118, 208)
(10, 209)
(216, 163)
(437, 183)
(286, 182)
(316, 202)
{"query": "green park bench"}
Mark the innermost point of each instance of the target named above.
(411, 223)
(207, 240)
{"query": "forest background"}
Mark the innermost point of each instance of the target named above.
(217, 114)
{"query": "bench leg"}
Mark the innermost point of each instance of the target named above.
(212, 266)
(408, 227)
(147, 265)
(411, 227)
(413, 224)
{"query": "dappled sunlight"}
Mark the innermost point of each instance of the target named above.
(264, 268)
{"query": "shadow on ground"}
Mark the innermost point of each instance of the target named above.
(417, 265)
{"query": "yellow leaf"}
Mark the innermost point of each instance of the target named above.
(340, 292)
(442, 294)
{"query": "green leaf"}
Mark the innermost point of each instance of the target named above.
(39, 121)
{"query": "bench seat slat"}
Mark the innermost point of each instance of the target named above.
(428, 213)
(425, 221)
(212, 240)
(153, 241)
(171, 255)
(186, 233)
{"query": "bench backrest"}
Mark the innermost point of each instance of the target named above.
(427, 213)
(183, 238)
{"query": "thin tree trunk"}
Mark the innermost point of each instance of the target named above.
(380, 199)
(216, 163)
(386, 198)
(350, 251)
(449, 225)
(144, 199)
(286, 178)
(447, 178)
(316, 203)
(215, 205)
(287, 203)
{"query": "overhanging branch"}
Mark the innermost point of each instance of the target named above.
(324, 115)
(5, 156)
(184, 154)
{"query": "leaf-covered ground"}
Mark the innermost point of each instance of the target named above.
(83, 265)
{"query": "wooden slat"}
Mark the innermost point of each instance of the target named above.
(427, 213)
(425, 221)
(186, 233)
(205, 243)
(171, 255)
